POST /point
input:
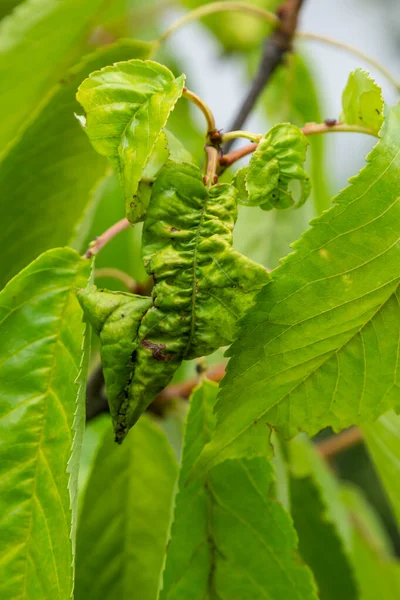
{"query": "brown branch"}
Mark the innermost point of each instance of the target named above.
(104, 238)
(274, 50)
(339, 443)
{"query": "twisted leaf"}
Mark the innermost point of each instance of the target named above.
(202, 286)
(127, 105)
(277, 161)
(362, 101)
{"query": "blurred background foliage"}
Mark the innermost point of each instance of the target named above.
(67, 194)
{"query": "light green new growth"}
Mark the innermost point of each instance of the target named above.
(277, 161)
(127, 105)
(320, 346)
(362, 102)
(229, 539)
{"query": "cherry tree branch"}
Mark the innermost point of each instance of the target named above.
(274, 50)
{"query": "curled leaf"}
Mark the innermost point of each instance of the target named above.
(362, 101)
(277, 161)
(127, 105)
(115, 316)
(201, 287)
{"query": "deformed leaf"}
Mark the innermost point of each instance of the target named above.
(292, 95)
(362, 101)
(41, 333)
(277, 161)
(116, 318)
(319, 348)
(229, 538)
(127, 105)
(123, 526)
(202, 286)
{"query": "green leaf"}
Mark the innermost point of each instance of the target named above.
(229, 538)
(36, 41)
(127, 106)
(277, 161)
(195, 301)
(383, 442)
(41, 333)
(292, 96)
(362, 101)
(377, 571)
(46, 177)
(321, 522)
(308, 353)
(123, 526)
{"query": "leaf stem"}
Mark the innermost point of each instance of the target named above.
(205, 109)
(210, 177)
(104, 238)
(227, 160)
(215, 7)
(305, 35)
(232, 135)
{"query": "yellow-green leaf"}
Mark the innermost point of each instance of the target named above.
(362, 101)
(127, 105)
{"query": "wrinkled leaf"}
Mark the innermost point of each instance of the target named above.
(229, 538)
(123, 526)
(127, 105)
(321, 522)
(277, 161)
(362, 101)
(383, 442)
(292, 96)
(195, 301)
(46, 177)
(36, 41)
(41, 333)
(319, 348)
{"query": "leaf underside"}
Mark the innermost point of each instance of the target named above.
(320, 346)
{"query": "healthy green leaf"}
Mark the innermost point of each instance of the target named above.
(46, 177)
(362, 101)
(41, 333)
(292, 96)
(383, 442)
(127, 105)
(321, 522)
(377, 571)
(230, 539)
(123, 526)
(312, 347)
(277, 161)
(202, 286)
(36, 41)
